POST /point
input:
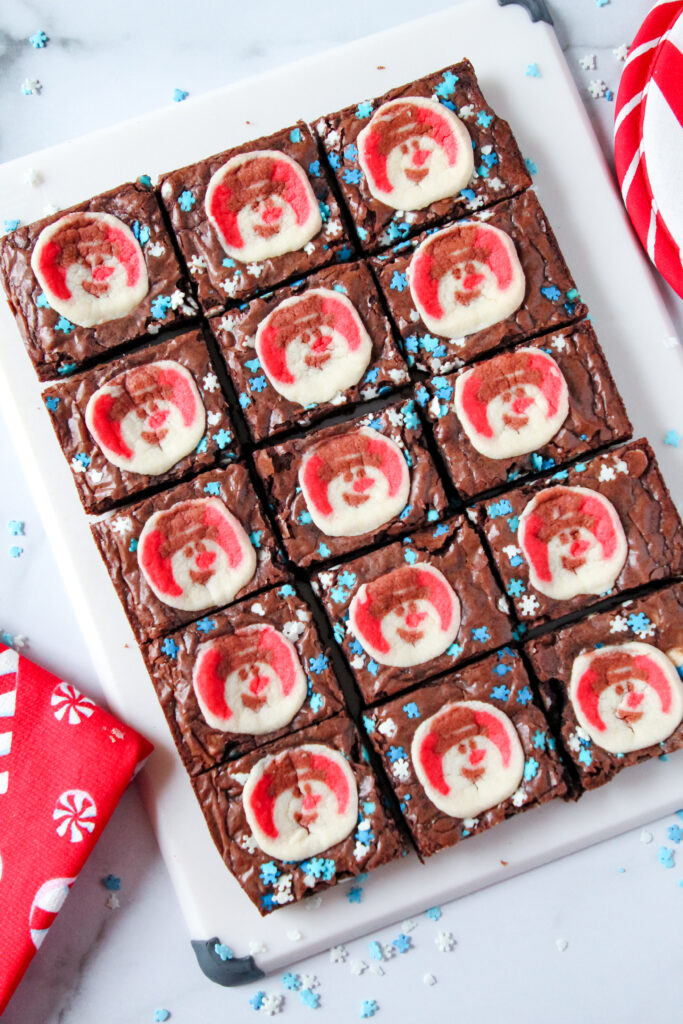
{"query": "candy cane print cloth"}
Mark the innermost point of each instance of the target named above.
(313, 346)
(146, 419)
(407, 616)
(250, 681)
(66, 768)
(512, 404)
(468, 758)
(626, 696)
(355, 482)
(301, 801)
(466, 278)
(196, 554)
(573, 541)
(261, 205)
(413, 152)
(90, 267)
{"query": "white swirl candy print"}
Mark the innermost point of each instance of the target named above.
(70, 705)
(75, 814)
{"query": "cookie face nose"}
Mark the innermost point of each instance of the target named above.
(157, 418)
(420, 156)
(578, 548)
(476, 756)
(258, 683)
(205, 559)
(413, 619)
(634, 699)
(102, 273)
(321, 343)
(271, 214)
(521, 404)
(472, 281)
(362, 483)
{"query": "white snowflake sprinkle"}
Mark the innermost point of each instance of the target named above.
(368, 393)
(229, 286)
(388, 951)
(445, 941)
(31, 87)
(429, 979)
(255, 269)
(360, 851)
(309, 248)
(121, 525)
(409, 925)
(292, 630)
(510, 550)
(559, 342)
(606, 473)
(247, 842)
(503, 604)
(588, 63)
(210, 383)
(228, 322)
(313, 902)
(561, 945)
(519, 797)
(398, 376)
(621, 466)
(476, 203)
(333, 228)
(214, 418)
(357, 966)
(574, 743)
(495, 183)
(470, 823)
(255, 946)
(646, 837)
(338, 954)
(414, 315)
(33, 177)
(272, 1003)
(332, 138)
(326, 580)
(51, 208)
(258, 608)
(310, 981)
(197, 264)
(618, 624)
(464, 113)
(339, 398)
(401, 769)
(376, 968)
(621, 52)
(177, 299)
(77, 466)
(112, 901)
(387, 728)
(294, 935)
(597, 88)
(527, 604)
(155, 249)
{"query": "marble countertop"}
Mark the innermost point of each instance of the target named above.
(595, 936)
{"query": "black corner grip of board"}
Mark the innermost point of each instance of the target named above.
(236, 971)
(538, 9)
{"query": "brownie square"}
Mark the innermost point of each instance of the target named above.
(499, 170)
(596, 416)
(550, 301)
(655, 620)
(499, 681)
(117, 536)
(280, 465)
(630, 479)
(203, 745)
(268, 881)
(454, 549)
(56, 346)
(218, 277)
(101, 484)
(267, 411)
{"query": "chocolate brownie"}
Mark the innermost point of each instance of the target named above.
(498, 170)
(287, 185)
(360, 841)
(269, 393)
(48, 308)
(457, 589)
(550, 296)
(505, 761)
(255, 638)
(195, 558)
(633, 648)
(523, 411)
(121, 434)
(345, 487)
(602, 527)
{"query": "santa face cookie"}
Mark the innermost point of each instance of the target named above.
(313, 346)
(301, 801)
(468, 758)
(90, 267)
(406, 617)
(466, 278)
(146, 419)
(413, 152)
(354, 483)
(196, 555)
(512, 404)
(574, 542)
(261, 205)
(250, 681)
(626, 696)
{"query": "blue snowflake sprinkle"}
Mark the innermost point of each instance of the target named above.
(170, 647)
(64, 326)
(468, 193)
(314, 168)
(376, 950)
(490, 159)
(499, 508)
(525, 696)
(255, 537)
(206, 625)
(334, 160)
(229, 262)
(446, 86)
(344, 254)
(364, 109)
(539, 739)
(675, 833)
(83, 459)
(213, 488)
(269, 873)
(481, 634)
(638, 623)
(354, 894)
(530, 769)
(532, 71)
(530, 166)
(111, 883)
(291, 981)
(223, 951)
(42, 302)
(186, 201)
(552, 293)
(11, 225)
(350, 152)
(323, 550)
(257, 1000)
(501, 692)
(351, 175)
(39, 40)
(399, 282)
(410, 556)
(222, 438)
(133, 546)
(434, 913)
(411, 710)
(347, 579)
(244, 400)
(202, 446)
(402, 943)
(295, 135)
(396, 753)
(516, 587)
(455, 650)
(317, 702)
(324, 211)
(179, 95)
(666, 857)
(287, 590)
(318, 664)
(160, 306)
(161, 1015)
(513, 523)
(16, 527)
(305, 517)
(369, 1007)
(141, 232)
(502, 669)
(585, 756)
(372, 667)
(484, 119)
(309, 998)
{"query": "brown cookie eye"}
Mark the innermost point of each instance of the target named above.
(462, 748)
(404, 147)
(619, 689)
(188, 552)
(243, 674)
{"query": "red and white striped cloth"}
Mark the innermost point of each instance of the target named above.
(648, 138)
(64, 764)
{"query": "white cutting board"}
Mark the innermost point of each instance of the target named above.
(613, 277)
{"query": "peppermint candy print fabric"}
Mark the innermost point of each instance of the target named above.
(87, 759)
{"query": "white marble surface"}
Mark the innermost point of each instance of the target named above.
(120, 965)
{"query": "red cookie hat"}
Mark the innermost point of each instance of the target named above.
(84, 758)
(648, 137)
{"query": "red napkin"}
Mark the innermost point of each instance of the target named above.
(64, 764)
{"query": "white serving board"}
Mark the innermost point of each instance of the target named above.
(614, 278)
